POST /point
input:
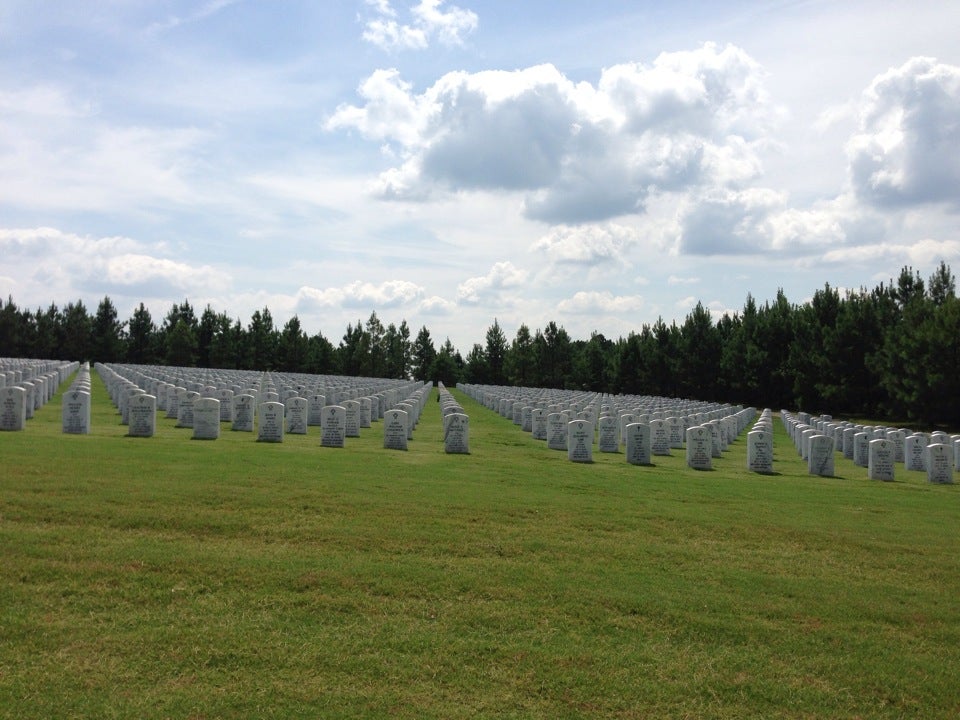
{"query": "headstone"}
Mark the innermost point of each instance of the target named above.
(351, 418)
(675, 426)
(315, 405)
(913, 451)
(243, 406)
(13, 408)
(334, 426)
(185, 409)
(76, 412)
(608, 435)
(225, 396)
(456, 434)
(206, 418)
(142, 416)
(270, 421)
(820, 457)
(939, 463)
(538, 424)
(699, 448)
(880, 464)
(556, 431)
(760, 451)
(296, 411)
(659, 437)
(637, 443)
(861, 449)
(580, 441)
(395, 430)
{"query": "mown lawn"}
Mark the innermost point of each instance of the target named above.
(167, 577)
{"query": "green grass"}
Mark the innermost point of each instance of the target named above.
(167, 577)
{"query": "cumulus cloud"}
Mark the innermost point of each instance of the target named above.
(908, 142)
(724, 222)
(587, 245)
(576, 151)
(436, 305)
(502, 276)
(120, 265)
(924, 253)
(429, 19)
(392, 293)
(587, 302)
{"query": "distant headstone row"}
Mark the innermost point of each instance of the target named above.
(878, 449)
(456, 423)
(271, 405)
(28, 385)
(643, 426)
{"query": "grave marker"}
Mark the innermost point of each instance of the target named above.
(395, 430)
(456, 434)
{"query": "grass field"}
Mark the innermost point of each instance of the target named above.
(167, 577)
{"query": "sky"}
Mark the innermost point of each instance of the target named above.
(597, 164)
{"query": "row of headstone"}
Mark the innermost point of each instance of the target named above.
(26, 386)
(75, 404)
(269, 410)
(644, 426)
(760, 444)
(879, 449)
(456, 423)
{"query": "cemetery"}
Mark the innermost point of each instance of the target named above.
(499, 529)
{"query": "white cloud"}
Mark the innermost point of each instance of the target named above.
(577, 152)
(587, 245)
(503, 275)
(428, 20)
(677, 280)
(925, 253)
(119, 265)
(364, 295)
(908, 142)
(436, 305)
(587, 302)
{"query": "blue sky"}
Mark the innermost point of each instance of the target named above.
(598, 164)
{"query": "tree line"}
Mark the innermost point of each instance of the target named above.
(892, 352)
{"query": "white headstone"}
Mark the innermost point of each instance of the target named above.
(296, 411)
(13, 408)
(270, 421)
(395, 430)
(76, 412)
(637, 443)
(820, 457)
(315, 405)
(699, 448)
(243, 408)
(456, 434)
(351, 418)
(334, 426)
(225, 396)
(913, 451)
(556, 431)
(538, 424)
(880, 464)
(940, 463)
(760, 451)
(580, 441)
(185, 409)
(142, 416)
(861, 449)
(206, 418)
(659, 437)
(608, 435)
